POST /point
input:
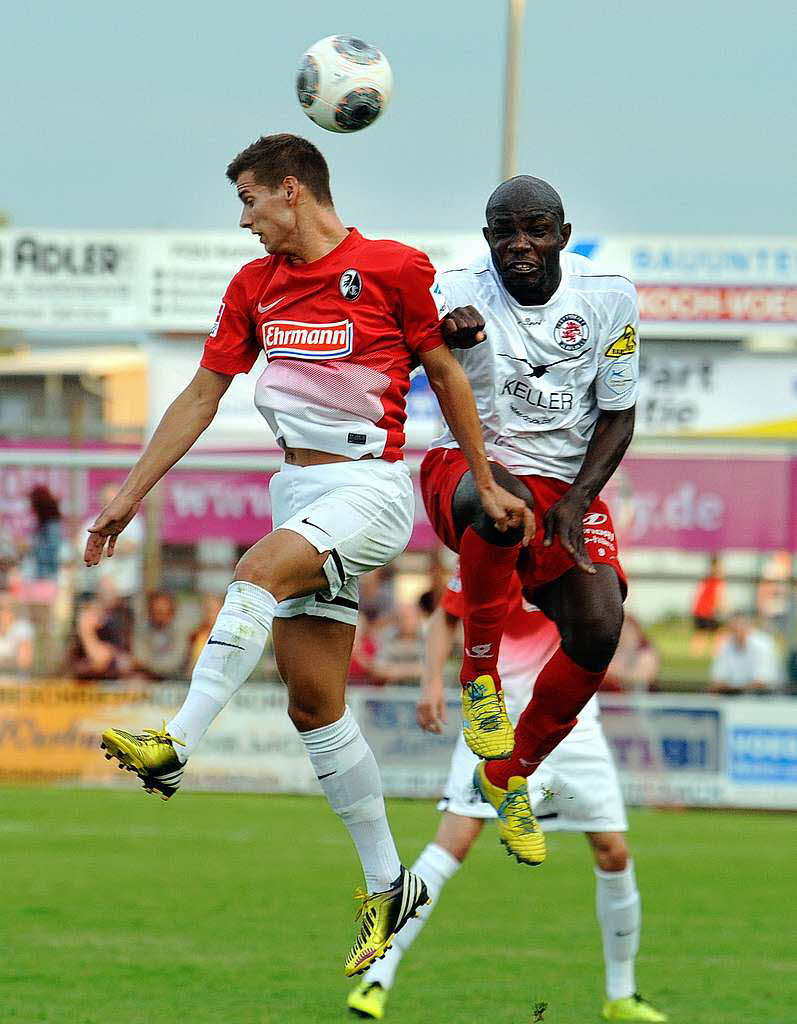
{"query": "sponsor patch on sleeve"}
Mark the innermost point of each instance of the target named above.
(214, 330)
(620, 379)
(625, 345)
(439, 299)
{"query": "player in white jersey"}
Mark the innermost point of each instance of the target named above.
(340, 318)
(553, 364)
(576, 790)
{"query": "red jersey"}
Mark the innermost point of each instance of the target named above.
(340, 334)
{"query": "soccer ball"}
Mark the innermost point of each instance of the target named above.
(343, 84)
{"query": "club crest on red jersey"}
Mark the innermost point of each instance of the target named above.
(571, 332)
(292, 339)
(350, 284)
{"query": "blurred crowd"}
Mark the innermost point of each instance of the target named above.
(60, 619)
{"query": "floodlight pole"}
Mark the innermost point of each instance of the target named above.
(514, 38)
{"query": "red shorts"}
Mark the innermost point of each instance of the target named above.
(443, 468)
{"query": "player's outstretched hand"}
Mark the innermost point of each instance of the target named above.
(506, 510)
(463, 327)
(107, 527)
(565, 520)
(430, 711)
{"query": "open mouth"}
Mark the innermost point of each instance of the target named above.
(522, 267)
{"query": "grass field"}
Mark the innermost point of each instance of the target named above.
(118, 908)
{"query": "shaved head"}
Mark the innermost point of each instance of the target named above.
(524, 193)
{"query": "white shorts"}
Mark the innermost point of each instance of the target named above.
(361, 512)
(575, 789)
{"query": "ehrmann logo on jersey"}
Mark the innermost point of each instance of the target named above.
(571, 332)
(296, 340)
(351, 284)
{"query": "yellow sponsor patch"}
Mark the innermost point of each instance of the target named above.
(625, 345)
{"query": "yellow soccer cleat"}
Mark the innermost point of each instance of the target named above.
(368, 999)
(151, 756)
(381, 915)
(633, 1008)
(488, 731)
(517, 827)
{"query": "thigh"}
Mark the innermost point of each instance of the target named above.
(313, 657)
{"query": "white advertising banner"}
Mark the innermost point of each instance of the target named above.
(173, 281)
(670, 749)
(709, 390)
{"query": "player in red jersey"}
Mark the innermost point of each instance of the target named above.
(341, 319)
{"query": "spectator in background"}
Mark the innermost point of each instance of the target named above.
(708, 608)
(746, 660)
(16, 638)
(773, 595)
(363, 663)
(160, 641)
(376, 597)
(210, 608)
(126, 568)
(100, 647)
(635, 665)
(47, 534)
(401, 652)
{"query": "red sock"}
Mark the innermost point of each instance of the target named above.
(485, 570)
(561, 691)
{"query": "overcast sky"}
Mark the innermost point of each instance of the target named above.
(647, 116)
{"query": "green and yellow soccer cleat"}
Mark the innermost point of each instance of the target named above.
(633, 1008)
(485, 724)
(151, 756)
(368, 999)
(381, 915)
(517, 827)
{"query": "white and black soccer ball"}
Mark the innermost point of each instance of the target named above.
(343, 83)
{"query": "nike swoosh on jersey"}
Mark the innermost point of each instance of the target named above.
(271, 305)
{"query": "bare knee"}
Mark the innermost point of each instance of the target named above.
(468, 511)
(592, 640)
(610, 851)
(307, 714)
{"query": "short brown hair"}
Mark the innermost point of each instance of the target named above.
(273, 157)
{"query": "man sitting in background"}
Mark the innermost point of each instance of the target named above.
(746, 661)
(161, 641)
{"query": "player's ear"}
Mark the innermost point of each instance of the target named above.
(290, 188)
(486, 233)
(566, 230)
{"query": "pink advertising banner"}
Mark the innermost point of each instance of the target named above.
(689, 503)
(706, 503)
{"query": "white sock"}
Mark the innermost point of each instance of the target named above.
(349, 776)
(620, 916)
(234, 647)
(435, 866)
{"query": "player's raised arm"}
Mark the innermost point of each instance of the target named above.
(450, 384)
(186, 418)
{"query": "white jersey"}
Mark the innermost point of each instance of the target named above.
(545, 372)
